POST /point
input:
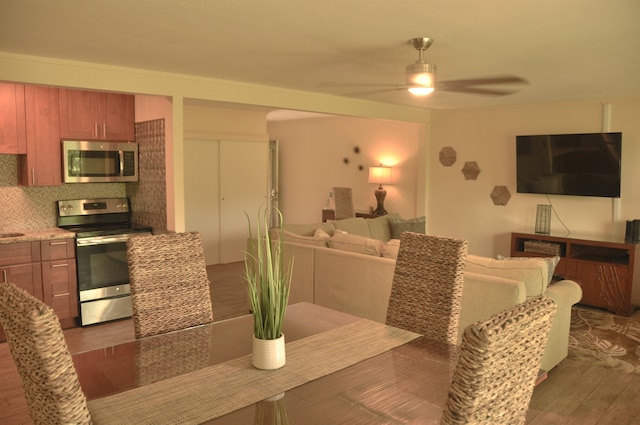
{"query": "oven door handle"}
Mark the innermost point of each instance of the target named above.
(103, 240)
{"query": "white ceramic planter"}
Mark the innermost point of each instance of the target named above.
(268, 353)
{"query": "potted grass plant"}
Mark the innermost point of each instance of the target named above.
(268, 283)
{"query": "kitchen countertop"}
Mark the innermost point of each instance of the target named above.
(37, 235)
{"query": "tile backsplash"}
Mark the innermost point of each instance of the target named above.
(33, 208)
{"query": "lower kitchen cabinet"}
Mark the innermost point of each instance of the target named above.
(59, 289)
(47, 270)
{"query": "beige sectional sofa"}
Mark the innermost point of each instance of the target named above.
(348, 265)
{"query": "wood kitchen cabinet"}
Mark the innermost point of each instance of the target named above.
(20, 265)
(47, 270)
(41, 166)
(13, 139)
(59, 281)
(603, 267)
(89, 115)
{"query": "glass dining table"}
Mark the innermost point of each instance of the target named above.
(340, 369)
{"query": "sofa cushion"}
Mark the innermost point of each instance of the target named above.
(533, 272)
(355, 243)
(399, 225)
(390, 249)
(379, 227)
(552, 262)
(353, 226)
(309, 229)
(320, 240)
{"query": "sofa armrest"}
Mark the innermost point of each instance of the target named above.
(565, 293)
(485, 295)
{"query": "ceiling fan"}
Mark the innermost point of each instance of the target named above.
(421, 77)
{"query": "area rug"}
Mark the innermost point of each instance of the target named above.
(605, 339)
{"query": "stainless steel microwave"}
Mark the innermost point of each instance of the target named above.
(99, 162)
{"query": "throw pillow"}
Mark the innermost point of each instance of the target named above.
(552, 262)
(398, 226)
(355, 243)
(379, 226)
(319, 233)
(390, 249)
(533, 272)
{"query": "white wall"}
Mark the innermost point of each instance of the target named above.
(311, 163)
(463, 208)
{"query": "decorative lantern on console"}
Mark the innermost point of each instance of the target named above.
(380, 175)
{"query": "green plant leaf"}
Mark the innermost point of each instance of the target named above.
(268, 281)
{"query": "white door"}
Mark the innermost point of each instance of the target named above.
(243, 188)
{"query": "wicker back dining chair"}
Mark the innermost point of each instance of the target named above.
(426, 292)
(170, 289)
(498, 365)
(40, 352)
(343, 198)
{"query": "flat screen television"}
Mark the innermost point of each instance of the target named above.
(569, 164)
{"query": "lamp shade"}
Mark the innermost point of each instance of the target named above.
(380, 175)
(421, 78)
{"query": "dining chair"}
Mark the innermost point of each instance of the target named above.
(40, 352)
(498, 365)
(343, 197)
(426, 292)
(170, 289)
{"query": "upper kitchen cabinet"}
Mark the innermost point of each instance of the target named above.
(13, 139)
(41, 166)
(88, 115)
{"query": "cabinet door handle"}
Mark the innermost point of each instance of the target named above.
(33, 176)
(58, 243)
(60, 265)
(95, 129)
(104, 130)
(4, 276)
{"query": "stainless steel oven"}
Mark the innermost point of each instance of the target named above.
(102, 227)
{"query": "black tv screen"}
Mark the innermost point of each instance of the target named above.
(569, 164)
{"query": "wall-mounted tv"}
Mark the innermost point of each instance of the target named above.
(569, 164)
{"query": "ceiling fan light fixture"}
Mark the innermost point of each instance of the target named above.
(421, 78)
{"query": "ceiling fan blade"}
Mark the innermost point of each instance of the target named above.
(368, 92)
(476, 90)
(337, 84)
(506, 79)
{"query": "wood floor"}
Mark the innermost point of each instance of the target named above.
(575, 392)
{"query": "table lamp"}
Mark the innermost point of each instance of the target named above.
(380, 175)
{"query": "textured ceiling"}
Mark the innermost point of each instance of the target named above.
(567, 50)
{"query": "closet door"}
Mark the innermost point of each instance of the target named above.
(243, 188)
(202, 194)
(222, 180)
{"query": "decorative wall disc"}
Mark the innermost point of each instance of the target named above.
(500, 195)
(447, 156)
(470, 170)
